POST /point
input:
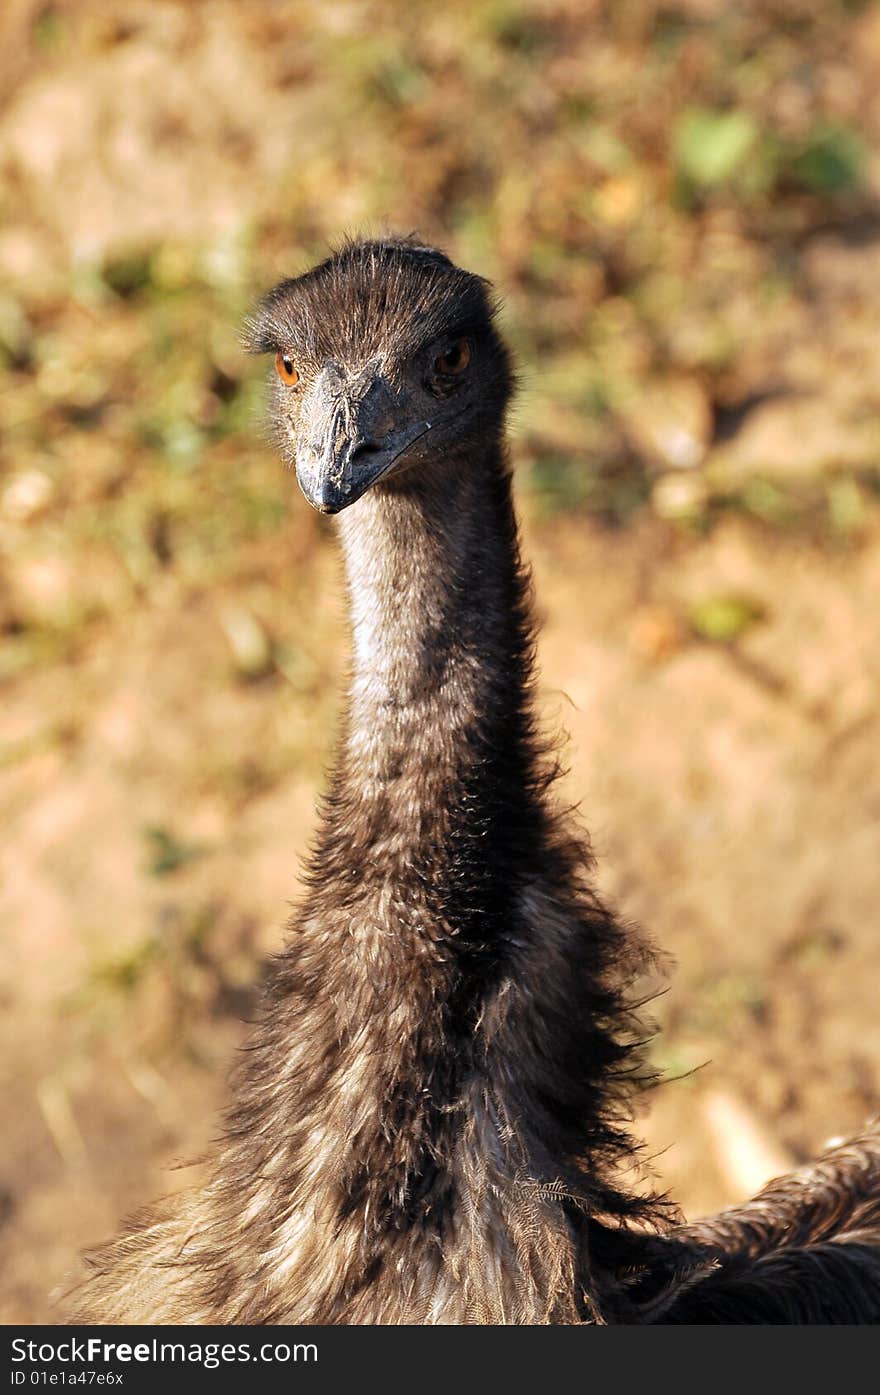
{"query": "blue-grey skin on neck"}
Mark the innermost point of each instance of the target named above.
(428, 619)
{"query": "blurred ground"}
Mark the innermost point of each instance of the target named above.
(680, 204)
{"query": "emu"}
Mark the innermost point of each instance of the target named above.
(430, 1124)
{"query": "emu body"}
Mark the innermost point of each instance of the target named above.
(429, 1124)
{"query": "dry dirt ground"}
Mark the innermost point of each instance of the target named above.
(157, 777)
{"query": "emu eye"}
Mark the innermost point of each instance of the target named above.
(286, 370)
(455, 360)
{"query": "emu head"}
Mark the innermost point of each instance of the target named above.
(387, 363)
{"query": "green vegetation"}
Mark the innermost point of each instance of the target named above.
(722, 619)
(641, 183)
(167, 853)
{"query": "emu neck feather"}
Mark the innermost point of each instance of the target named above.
(440, 666)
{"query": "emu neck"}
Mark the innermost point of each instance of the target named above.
(438, 1035)
(423, 600)
(440, 654)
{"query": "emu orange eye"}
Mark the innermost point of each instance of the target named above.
(286, 370)
(455, 360)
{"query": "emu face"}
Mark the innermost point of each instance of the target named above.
(387, 362)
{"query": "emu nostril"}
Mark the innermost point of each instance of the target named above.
(361, 453)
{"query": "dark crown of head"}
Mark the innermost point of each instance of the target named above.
(391, 295)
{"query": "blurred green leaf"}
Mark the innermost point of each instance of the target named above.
(50, 28)
(128, 273)
(846, 506)
(166, 853)
(123, 973)
(767, 500)
(15, 333)
(722, 619)
(709, 147)
(832, 161)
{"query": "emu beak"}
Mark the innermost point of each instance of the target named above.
(352, 439)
